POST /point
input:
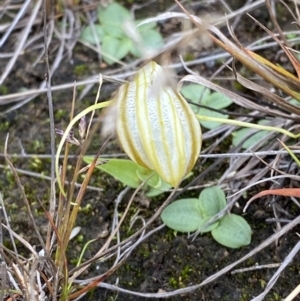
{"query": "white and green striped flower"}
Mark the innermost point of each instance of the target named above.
(156, 127)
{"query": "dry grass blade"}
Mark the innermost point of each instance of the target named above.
(15, 21)
(66, 33)
(289, 54)
(67, 211)
(270, 96)
(63, 207)
(295, 192)
(286, 84)
(23, 37)
(68, 221)
(4, 287)
(240, 100)
(275, 277)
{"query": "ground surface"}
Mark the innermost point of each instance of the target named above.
(164, 261)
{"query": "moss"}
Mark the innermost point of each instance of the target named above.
(144, 251)
(4, 125)
(262, 283)
(4, 90)
(245, 297)
(73, 261)
(275, 297)
(185, 272)
(37, 146)
(61, 114)
(80, 238)
(189, 57)
(169, 235)
(173, 282)
(81, 70)
(183, 277)
(87, 209)
(36, 164)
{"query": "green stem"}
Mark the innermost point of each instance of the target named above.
(248, 125)
(66, 133)
(290, 152)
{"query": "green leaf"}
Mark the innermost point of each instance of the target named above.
(114, 31)
(156, 185)
(195, 93)
(204, 229)
(160, 186)
(123, 170)
(183, 215)
(200, 95)
(159, 190)
(132, 175)
(87, 34)
(294, 102)
(152, 39)
(210, 124)
(145, 27)
(239, 135)
(212, 200)
(135, 51)
(217, 101)
(112, 18)
(115, 48)
(152, 178)
(233, 231)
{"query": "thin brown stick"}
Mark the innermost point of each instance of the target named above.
(52, 200)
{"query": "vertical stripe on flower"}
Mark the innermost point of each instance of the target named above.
(156, 127)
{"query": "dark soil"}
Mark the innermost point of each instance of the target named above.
(166, 261)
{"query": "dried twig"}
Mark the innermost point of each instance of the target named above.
(52, 198)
